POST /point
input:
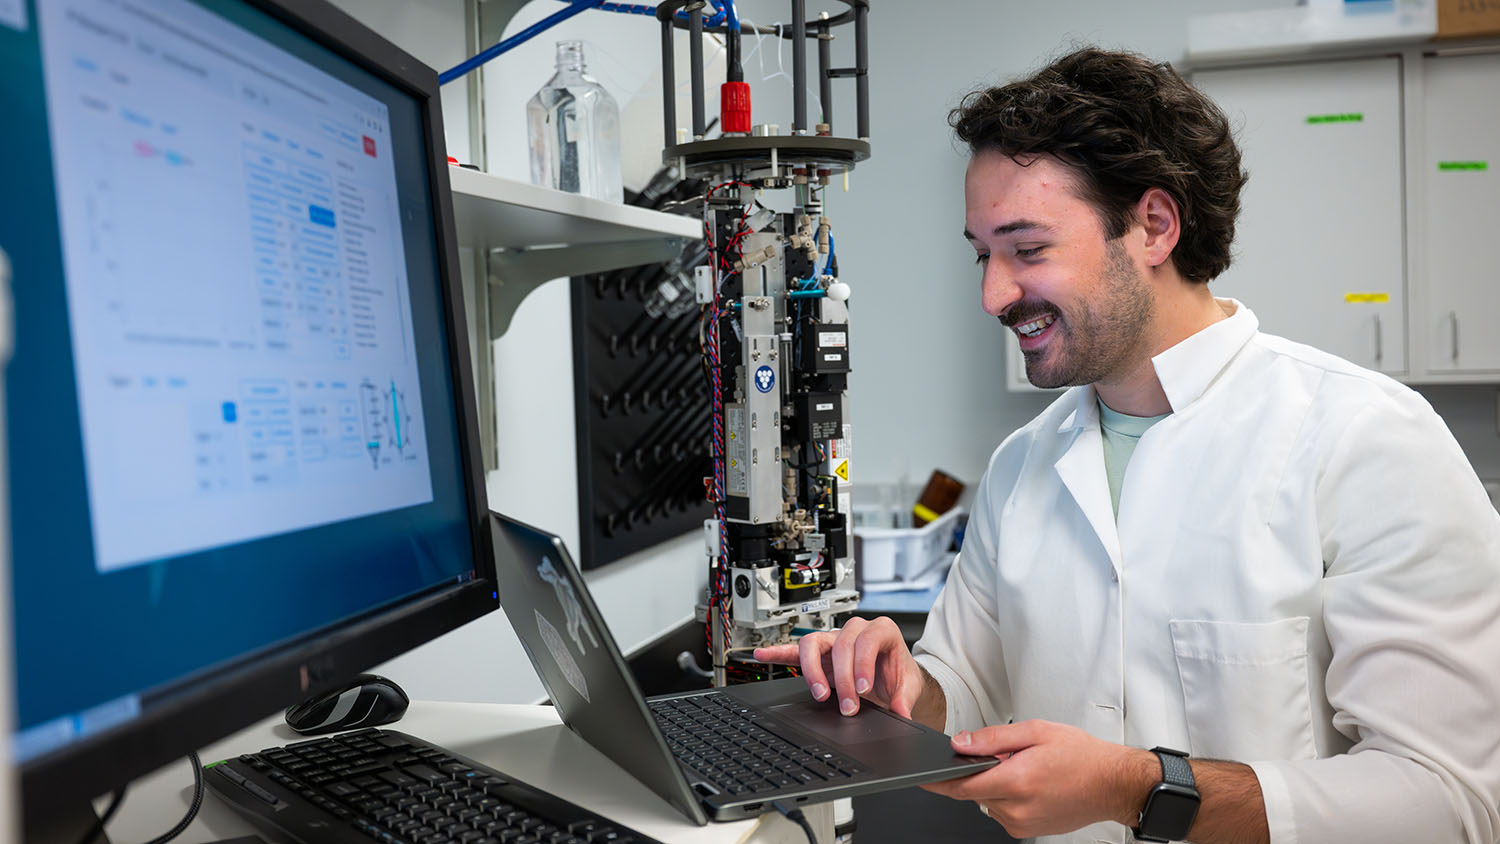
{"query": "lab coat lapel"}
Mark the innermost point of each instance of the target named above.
(1081, 468)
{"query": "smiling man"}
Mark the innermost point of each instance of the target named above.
(1227, 588)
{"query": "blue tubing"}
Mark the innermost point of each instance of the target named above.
(574, 7)
(726, 11)
(712, 20)
(715, 19)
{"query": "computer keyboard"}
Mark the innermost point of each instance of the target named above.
(392, 788)
(727, 744)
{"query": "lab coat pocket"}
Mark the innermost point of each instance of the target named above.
(1245, 688)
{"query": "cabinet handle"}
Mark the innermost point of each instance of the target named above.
(1379, 352)
(1453, 316)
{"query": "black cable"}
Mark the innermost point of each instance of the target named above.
(192, 811)
(119, 798)
(98, 827)
(735, 72)
(796, 817)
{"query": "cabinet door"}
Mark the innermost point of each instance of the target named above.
(1319, 251)
(1462, 261)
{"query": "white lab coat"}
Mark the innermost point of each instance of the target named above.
(1305, 576)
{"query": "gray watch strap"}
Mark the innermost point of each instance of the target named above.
(1177, 773)
(1175, 768)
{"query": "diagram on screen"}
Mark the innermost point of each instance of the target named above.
(388, 423)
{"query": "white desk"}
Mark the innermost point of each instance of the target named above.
(528, 742)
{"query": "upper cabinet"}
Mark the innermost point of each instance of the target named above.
(1320, 246)
(1460, 174)
(1368, 223)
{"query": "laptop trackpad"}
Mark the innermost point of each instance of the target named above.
(870, 724)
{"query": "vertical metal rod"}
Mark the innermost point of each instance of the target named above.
(668, 86)
(716, 633)
(1379, 351)
(1453, 315)
(799, 67)
(481, 343)
(862, 68)
(825, 82)
(483, 352)
(695, 48)
(473, 39)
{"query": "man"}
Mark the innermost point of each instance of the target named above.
(1296, 583)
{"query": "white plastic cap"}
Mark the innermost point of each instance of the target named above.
(838, 291)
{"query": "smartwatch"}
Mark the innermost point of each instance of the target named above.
(1173, 803)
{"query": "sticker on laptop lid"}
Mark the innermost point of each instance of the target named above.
(572, 610)
(562, 656)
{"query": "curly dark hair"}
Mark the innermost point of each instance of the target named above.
(1124, 124)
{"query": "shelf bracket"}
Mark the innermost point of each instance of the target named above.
(514, 273)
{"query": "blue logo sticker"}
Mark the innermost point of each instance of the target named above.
(765, 379)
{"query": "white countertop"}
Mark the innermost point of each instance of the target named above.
(529, 743)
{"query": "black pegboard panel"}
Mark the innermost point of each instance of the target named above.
(643, 417)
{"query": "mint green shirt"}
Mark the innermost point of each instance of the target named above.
(1121, 433)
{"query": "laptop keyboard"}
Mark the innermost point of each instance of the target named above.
(725, 743)
(384, 787)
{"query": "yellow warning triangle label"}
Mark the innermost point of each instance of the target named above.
(842, 471)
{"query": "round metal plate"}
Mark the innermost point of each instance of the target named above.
(818, 150)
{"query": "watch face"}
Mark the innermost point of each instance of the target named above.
(1170, 812)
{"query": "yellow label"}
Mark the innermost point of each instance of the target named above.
(786, 581)
(842, 470)
(1367, 297)
(925, 513)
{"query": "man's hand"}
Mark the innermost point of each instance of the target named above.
(865, 659)
(1053, 778)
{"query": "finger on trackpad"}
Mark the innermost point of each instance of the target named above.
(870, 724)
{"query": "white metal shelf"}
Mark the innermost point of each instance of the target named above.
(498, 213)
(531, 234)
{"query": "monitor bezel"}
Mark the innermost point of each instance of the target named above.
(197, 710)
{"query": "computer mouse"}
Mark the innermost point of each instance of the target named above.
(367, 701)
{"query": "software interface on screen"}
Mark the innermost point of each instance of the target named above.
(294, 405)
(231, 409)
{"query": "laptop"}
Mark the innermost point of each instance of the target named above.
(716, 754)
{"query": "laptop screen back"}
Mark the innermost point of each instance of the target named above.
(579, 662)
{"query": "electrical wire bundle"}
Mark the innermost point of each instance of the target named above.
(724, 260)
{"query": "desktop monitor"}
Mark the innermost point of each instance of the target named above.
(243, 452)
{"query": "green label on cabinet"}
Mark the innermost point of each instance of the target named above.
(1463, 165)
(1353, 117)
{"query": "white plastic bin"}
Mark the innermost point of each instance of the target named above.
(899, 554)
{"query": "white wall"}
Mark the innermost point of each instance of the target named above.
(622, 52)
(432, 31)
(642, 596)
(928, 394)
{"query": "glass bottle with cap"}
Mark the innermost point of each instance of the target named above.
(573, 126)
